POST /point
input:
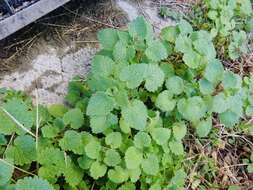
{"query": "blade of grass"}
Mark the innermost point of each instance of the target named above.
(15, 167)
(17, 122)
(37, 119)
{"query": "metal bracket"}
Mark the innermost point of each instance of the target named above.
(27, 15)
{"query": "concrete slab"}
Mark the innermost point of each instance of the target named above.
(49, 74)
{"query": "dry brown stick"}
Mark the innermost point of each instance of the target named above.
(91, 19)
(21, 49)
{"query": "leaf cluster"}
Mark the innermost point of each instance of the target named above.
(228, 21)
(125, 125)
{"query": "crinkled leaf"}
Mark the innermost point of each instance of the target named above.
(236, 104)
(234, 51)
(84, 162)
(124, 36)
(124, 126)
(202, 34)
(150, 165)
(120, 52)
(51, 156)
(74, 118)
(154, 77)
(102, 66)
(50, 131)
(192, 59)
(23, 151)
(133, 158)
(92, 149)
(112, 158)
(165, 101)
(229, 118)
(156, 51)
(72, 141)
(170, 33)
(141, 140)
(167, 69)
(135, 115)
(33, 183)
(140, 29)
(183, 44)
(249, 25)
(72, 173)
(185, 27)
(114, 139)
(179, 130)
(176, 147)
(175, 85)
(99, 124)
(7, 126)
(102, 101)
(134, 174)
(204, 127)
(214, 71)
(192, 108)
(121, 98)
(205, 87)
(178, 180)
(6, 171)
(231, 80)
(48, 173)
(161, 135)
(205, 48)
(219, 103)
(57, 110)
(212, 14)
(97, 170)
(108, 38)
(133, 75)
(127, 186)
(58, 163)
(118, 175)
(238, 45)
(18, 110)
(101, 83)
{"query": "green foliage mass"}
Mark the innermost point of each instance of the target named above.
(228, 21)
(126, 124)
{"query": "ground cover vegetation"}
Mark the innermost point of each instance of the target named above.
(154, 113)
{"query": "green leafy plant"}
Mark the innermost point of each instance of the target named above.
(126, 124)
(227, 21)
(238, 45)
(165, 12)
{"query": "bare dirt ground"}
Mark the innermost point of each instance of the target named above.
(44, 56)
(47, 54)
